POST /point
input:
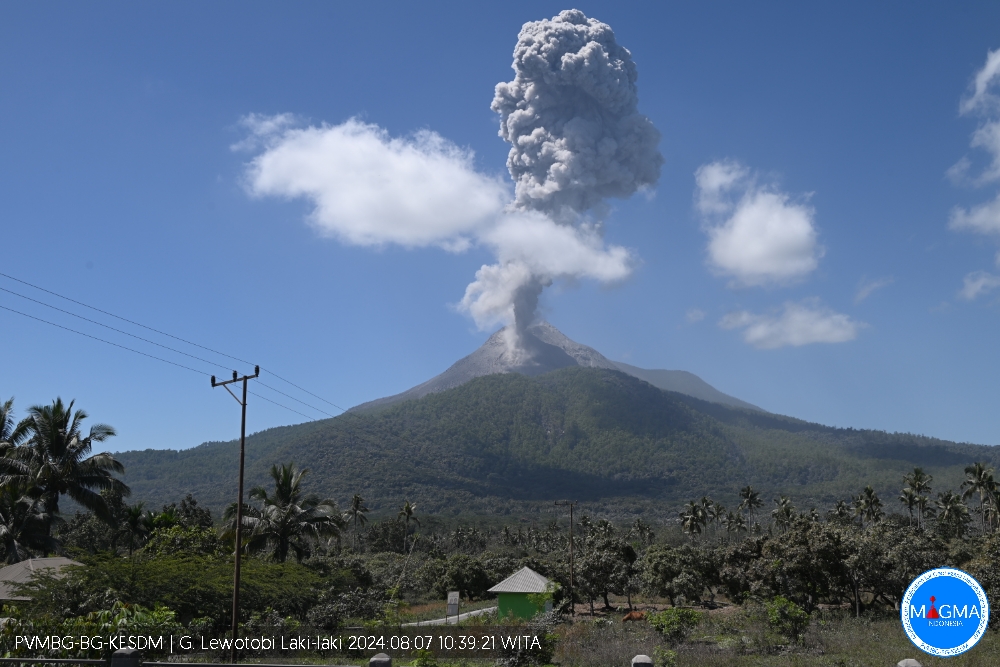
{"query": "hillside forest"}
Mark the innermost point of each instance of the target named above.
(315, 566)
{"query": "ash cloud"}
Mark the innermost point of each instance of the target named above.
(577, 139)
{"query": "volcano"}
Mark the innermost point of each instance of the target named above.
(543, 348)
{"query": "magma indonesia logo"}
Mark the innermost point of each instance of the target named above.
(945, 612)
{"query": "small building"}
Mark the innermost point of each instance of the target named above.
(512, 594)
(22, 573)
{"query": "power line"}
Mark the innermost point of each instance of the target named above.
(101, 324)
(165, 347)
(295, 399)
(312, 419)
(123, 319)
(301, 389)
(162, 333)
(151, 356)
(166, 361)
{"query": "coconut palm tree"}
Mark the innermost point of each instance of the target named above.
(356, 513)
(784, 513)
(735, 523)
(909, 499)
(751, 501)
(841, 512)
(287, 520)
(920, 482)
(979, 481)
(24, 527)
(49, 459)
(953, 513)
(693, 518)
(136, 524)
(11, 433)
(407, 513)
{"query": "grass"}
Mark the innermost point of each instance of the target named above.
(736, 637)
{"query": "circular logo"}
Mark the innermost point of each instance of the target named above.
(945, 612)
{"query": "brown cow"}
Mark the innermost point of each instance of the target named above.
(634, 616)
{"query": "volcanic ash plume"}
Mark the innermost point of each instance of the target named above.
(577, 138)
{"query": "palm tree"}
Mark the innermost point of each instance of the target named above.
(693, 517)
(735, 523)
(920, 482)
(50, 459)
(286, 521)
(407, 514)
(136, 523)
(841, 512)
(24, 527)
(356, 513)
(784, 513)
(953, 513)
(868, 505)
(751, 501)
(979, 480)
(11, 434)
(909, 499)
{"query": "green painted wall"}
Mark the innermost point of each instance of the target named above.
(517, 604)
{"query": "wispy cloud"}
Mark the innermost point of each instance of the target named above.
(695, 315)
(983, 219)
(795, 325)
(757, 234)
(867, 287)
(983, 102)
(977, 284)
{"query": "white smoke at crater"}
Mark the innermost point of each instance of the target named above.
(576, 136)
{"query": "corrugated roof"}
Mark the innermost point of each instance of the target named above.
(22, 572)
(524, 580)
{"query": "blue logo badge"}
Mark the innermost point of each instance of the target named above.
(945, 612)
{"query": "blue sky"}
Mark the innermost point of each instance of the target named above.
(850, 138)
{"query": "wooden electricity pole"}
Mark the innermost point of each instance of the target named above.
(239, 501)
(570, 504)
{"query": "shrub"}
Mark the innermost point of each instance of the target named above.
(675, 624)
(787, 618)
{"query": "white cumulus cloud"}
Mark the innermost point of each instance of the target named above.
(368, 188)
(977, 284)
(796, 324)
(757, 234)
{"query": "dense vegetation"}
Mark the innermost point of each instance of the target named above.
(790, 554)
(507, 445)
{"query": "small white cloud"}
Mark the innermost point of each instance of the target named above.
(714, 181)
(958, 173)
(867, 287)
(981, 99)
(756, 234)
(797, 324)
(368, 188)
(977, 284)
(983, 219)
(695, 315)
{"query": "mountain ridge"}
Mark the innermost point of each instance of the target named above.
(542, 348)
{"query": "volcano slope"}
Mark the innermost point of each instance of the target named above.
(511, 444)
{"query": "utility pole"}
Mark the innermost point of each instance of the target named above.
(570, 504)
(239, 501)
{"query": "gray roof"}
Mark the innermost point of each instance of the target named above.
(20, 573)
(524, 580)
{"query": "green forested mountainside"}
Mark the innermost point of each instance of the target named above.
(511, 444)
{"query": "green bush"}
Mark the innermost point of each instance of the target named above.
(675, 624)
(787, 618)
